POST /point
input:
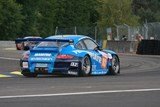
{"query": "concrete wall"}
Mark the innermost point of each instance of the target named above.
(122, 46)
(7, 44)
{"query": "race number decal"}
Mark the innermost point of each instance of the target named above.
(104, 62)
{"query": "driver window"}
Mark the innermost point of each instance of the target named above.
(91, 45)
(80, 45)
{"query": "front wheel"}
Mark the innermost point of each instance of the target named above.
(114, 69)
(85, 66)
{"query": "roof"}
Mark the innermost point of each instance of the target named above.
(27, 37)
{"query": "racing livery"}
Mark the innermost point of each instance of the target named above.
(69, 55)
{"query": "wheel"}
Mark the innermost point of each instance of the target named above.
(29, 74)
(114, 69)
(26, 48)
(85, 66)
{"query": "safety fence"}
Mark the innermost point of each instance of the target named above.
(116, 32)
(122, 46)
(120, 38)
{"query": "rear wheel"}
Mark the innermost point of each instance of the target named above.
(114, 69)
(29, 74)
(86, 66)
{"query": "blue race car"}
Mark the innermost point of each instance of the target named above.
(69, 55)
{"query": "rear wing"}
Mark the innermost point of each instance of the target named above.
(19, 40)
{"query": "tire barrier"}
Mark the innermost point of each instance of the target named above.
(149, 47)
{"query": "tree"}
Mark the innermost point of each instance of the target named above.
(42, 16)
(69, 13)
(147, 10)
(116, 12)
(30, 12)
(46, 17)
(10, 19)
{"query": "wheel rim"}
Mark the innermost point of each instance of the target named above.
(86, 65)
(115, 64)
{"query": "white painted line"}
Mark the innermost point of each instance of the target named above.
(14, 59)
(79, 93)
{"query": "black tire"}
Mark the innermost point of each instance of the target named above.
(85, 66)
(29, 74)
(115, 68)
(26, 48)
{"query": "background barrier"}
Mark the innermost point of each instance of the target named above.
(122, 46)
(149, 47)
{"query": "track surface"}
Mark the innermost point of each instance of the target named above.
(138, 85)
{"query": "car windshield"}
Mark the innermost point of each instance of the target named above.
(52, 44)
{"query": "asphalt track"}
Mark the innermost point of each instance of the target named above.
(138, 85)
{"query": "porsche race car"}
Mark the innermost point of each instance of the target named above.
(25, 45)
(68, 55)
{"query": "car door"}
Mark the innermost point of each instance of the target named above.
(99, 58)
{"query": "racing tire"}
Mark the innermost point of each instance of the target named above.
(26, 48)
(29, 74)
(114, 69)
(85, 66)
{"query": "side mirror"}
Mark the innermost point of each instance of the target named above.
(97, 48)
(100, 48)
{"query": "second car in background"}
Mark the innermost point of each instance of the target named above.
(26, 44)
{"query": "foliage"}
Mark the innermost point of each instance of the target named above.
(147, 10)
(116, 12)
(29, 11)
(41, 17)
(10, 19)
(75, 13)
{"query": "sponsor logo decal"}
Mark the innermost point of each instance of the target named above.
(94, 67)
(102, 59)
(104, 62)
(74, 64)
(43, 54)
(96, 57)
(43, 59)
(72, 73)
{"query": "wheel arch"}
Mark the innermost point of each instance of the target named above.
(116, 56)
(82, 73)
